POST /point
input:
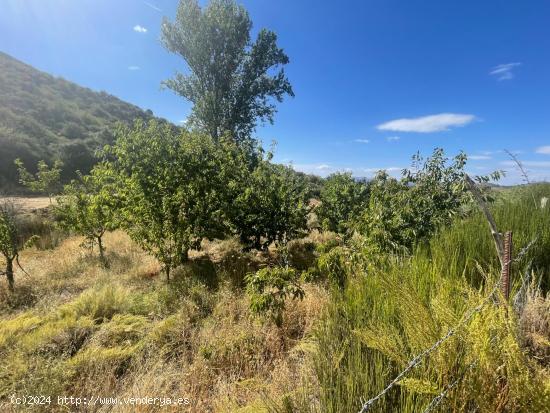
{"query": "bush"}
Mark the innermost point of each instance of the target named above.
(342, 198)
(271, 206)
(269, 288)
(335, 265)
(301, 254)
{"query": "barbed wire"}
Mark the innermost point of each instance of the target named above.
(525, 249)
(437, 399)
(419, 358)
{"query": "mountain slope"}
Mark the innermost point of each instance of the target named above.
(46, 117)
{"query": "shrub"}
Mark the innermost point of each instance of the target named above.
(335, 265)
(269, 288)
(342, 198)
(403, 212)
(271, 206)
(301, 254)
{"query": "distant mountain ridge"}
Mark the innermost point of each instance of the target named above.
(47, 117)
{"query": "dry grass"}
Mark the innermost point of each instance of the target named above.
(29, 204)
(123, 331)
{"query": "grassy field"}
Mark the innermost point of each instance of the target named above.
(75, 328)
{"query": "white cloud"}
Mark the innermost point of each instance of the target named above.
(361, 140)
(479, 157)
(504, 71)
(323, 167)
(426, 124)
(316, 169)
(140, 29)
(387, 169)
(133, 67)
(152, 6)
(545, 150)
(393, 138)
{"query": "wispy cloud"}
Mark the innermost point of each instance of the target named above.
(152, 6)
(545, 150)
(387, 169)
(321, 169)
(361, 140)
(133, 67)
(479, 157)
(140, 29)
(426, 124)
(393, 138)
(504, 71)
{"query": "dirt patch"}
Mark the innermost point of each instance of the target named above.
(28, 204)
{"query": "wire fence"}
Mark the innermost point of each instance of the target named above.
(420, 357)
(437, 399)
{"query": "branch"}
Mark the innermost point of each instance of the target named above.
(523, 172)
(497, 236)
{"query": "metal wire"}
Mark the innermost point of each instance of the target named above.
(437, 399)
(419, 358)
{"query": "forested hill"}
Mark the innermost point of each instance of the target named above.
(47, 117)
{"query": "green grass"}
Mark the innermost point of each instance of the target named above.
(393, 309)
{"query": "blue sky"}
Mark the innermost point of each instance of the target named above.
(375, 80)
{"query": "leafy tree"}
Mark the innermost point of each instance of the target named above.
(272, 206)
(342, 198)
(269, 288)
(230, 82)
(11, 241)
(88, 207)
(46, 180)
(402, 212)
(173, 186)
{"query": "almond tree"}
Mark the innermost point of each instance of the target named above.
(88, 207)
(174, 187)
(11, 241)
(46, 180)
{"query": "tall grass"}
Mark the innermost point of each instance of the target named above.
(391, 311)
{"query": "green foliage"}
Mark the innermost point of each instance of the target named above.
(11, 241)
(271, 206)
(230, 82)
(269, 288)
(45, 181)
(174, 188)
(342, 198)
(51, 118)
(403, 212)
(335, 265)
(393, 309)
(89, 206)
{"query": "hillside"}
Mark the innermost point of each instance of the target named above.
(44, 117)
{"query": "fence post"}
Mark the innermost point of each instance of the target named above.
(505, 274)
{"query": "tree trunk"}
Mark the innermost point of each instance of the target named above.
(167, 272)
(101, 251)
(9, 274)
